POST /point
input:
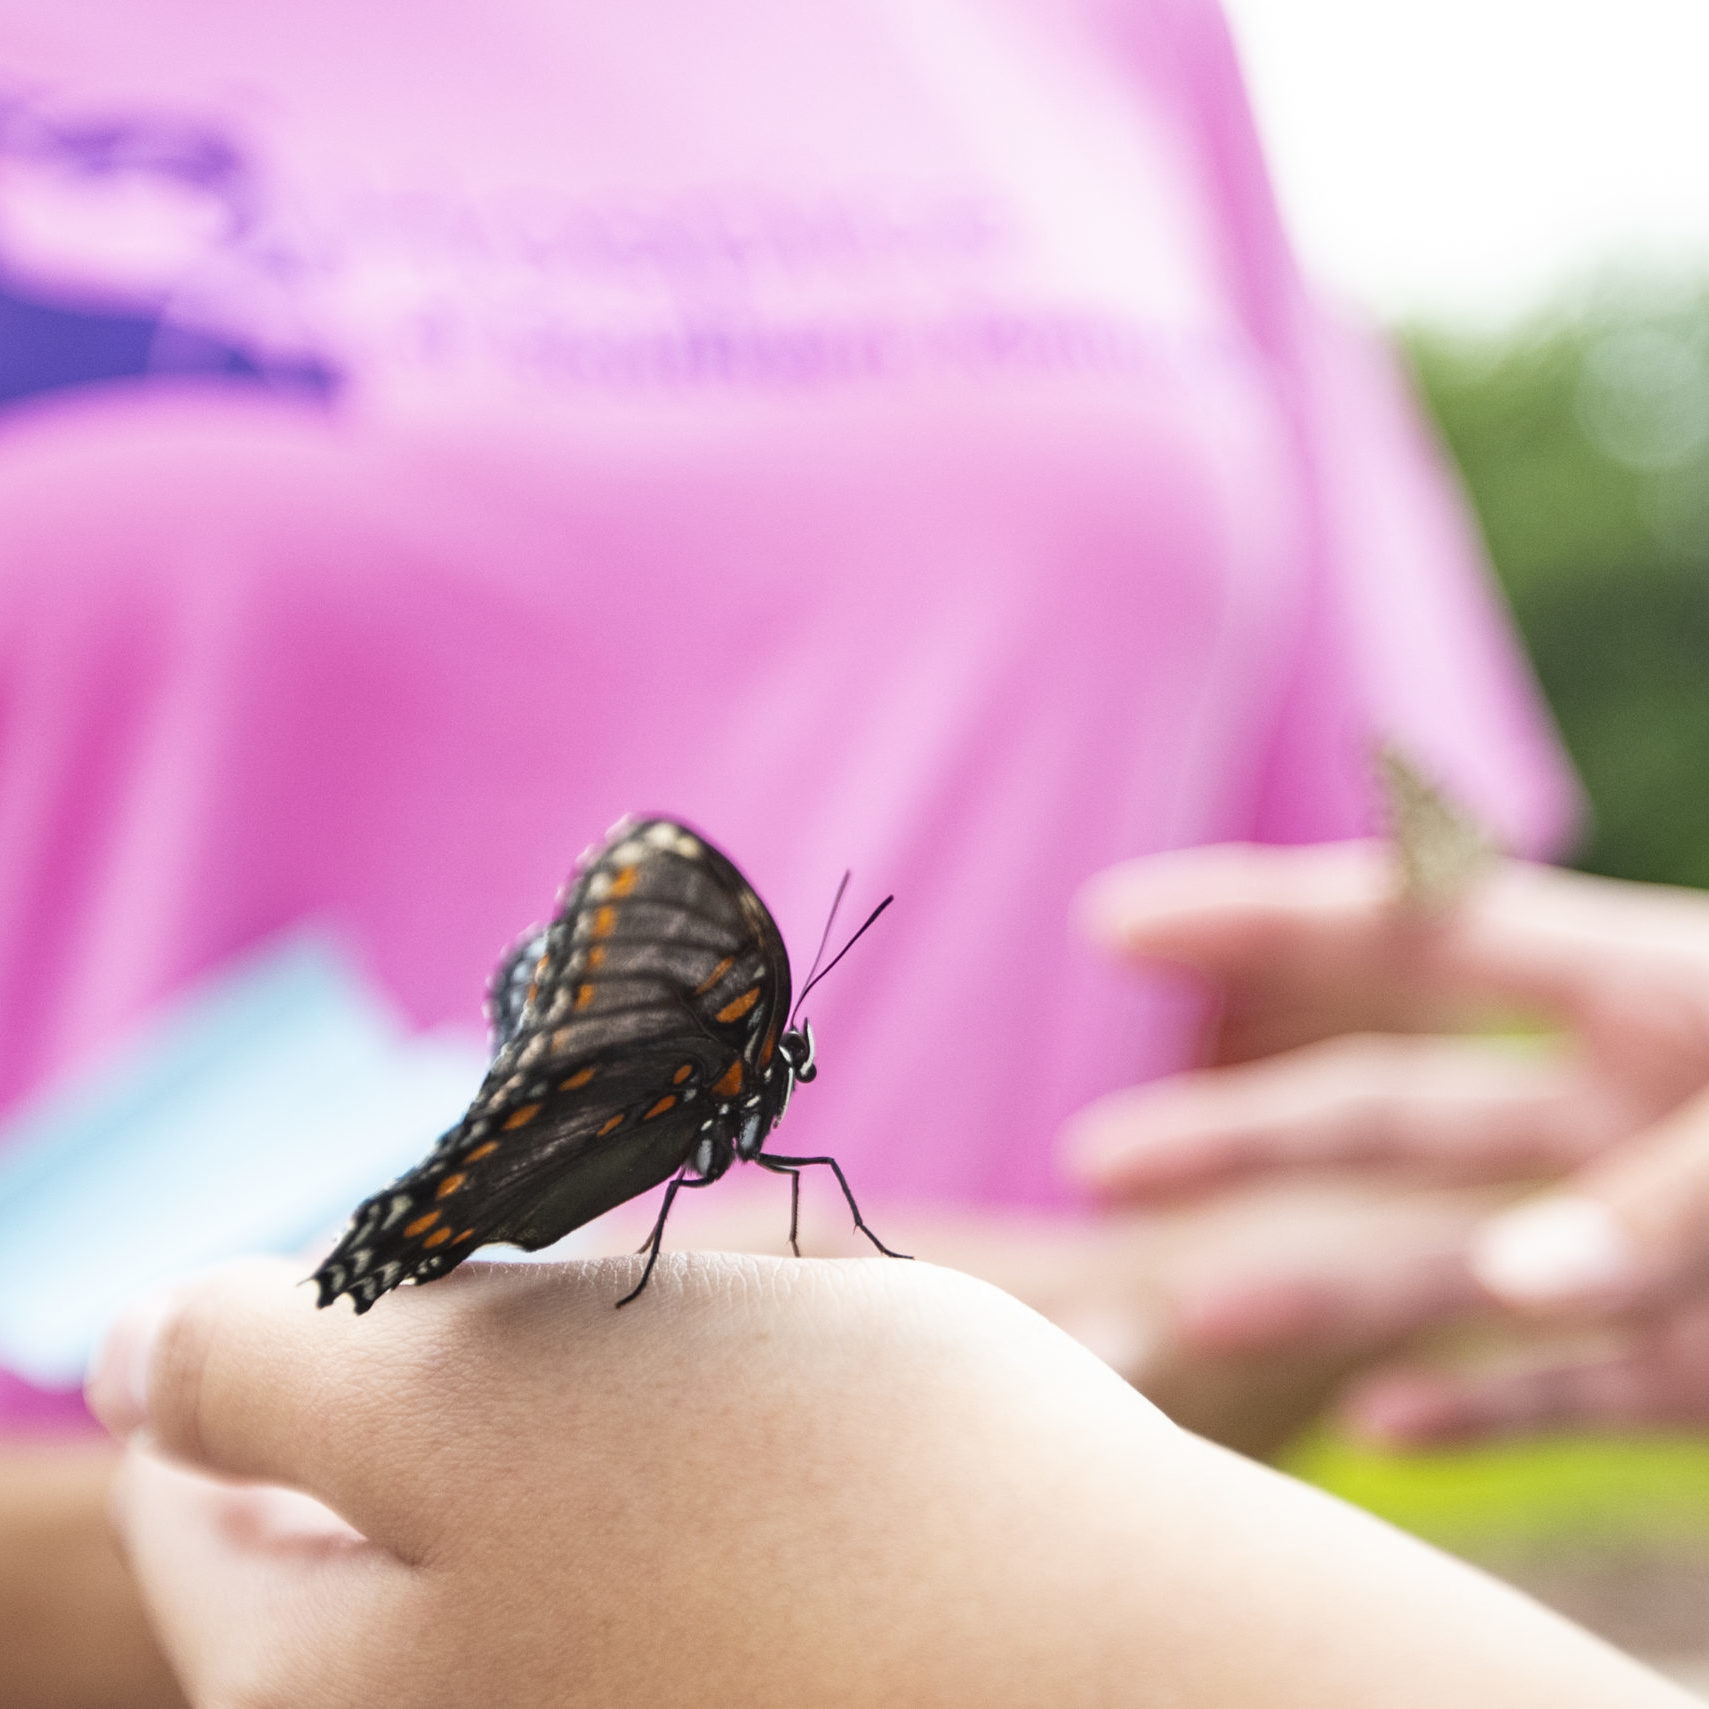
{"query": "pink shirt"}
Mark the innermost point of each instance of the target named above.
(889, 434)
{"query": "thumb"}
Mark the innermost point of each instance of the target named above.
(237, 1375)
(1631, 1229)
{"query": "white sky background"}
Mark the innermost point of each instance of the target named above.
(1462, 160)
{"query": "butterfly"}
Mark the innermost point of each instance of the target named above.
(645, 1035)
(1441, 848)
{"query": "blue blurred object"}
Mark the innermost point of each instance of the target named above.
(249, 1116)
(50, 347)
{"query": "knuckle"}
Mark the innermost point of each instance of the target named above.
(178, 1375)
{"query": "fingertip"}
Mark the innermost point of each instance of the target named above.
(1113, 1151)
(118, 1385)
(1122, 906)
(125, 1389)
(1100, 912)
(1201, 904)
(1258, 1316)
(1407, 1411)
(1559, 1251)
(1093, 1148)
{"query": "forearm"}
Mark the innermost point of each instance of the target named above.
(1054, 1540)
(1250, 1589)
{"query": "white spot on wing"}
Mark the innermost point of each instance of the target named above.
(671, 837)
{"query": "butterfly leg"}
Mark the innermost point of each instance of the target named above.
(794, 1165)
(651, 1245)
(794, 1207)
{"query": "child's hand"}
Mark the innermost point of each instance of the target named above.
(735, 1486)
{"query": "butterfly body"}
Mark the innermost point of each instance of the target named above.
(641, 1037)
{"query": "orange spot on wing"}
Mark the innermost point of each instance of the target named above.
(481, 1151)
(615, 1122)
(714, 976)
(584, 996)
(667, 1102)
(421, 1223)
(604, 922)
(520, 1118)
(682, 1073)
(467, 1234)
(624, 881)
(730, 1083)
(450, 1185)
(577, 1080)
(596, 956)
(769, 1046)
(738, 1006)
(438, 1237)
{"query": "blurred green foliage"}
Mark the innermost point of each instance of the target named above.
(1583, 436)
(1548, 1491)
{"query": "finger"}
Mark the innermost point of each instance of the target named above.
(1302, 939)
(253, 1591)
(1444, 1110)
(1631, 1229)
(1656, 1376)
(240, 1375)
(1331, 1275)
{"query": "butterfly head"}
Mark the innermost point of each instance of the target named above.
(796, 1049)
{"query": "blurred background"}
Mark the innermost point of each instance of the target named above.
(1527, 209)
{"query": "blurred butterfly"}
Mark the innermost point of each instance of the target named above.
(645, 1035)
(1441, 848)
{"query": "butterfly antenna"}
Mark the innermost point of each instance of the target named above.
(825, 936)
(819, 973)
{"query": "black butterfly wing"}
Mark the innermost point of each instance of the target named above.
(659, 904)
(507, 995)
(635, 1034)
(648, 1136)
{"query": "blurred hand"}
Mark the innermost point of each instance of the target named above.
(1342, 1044)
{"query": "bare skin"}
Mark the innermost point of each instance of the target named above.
(1350, 1046)
(771, 1482)
(72, 1627)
